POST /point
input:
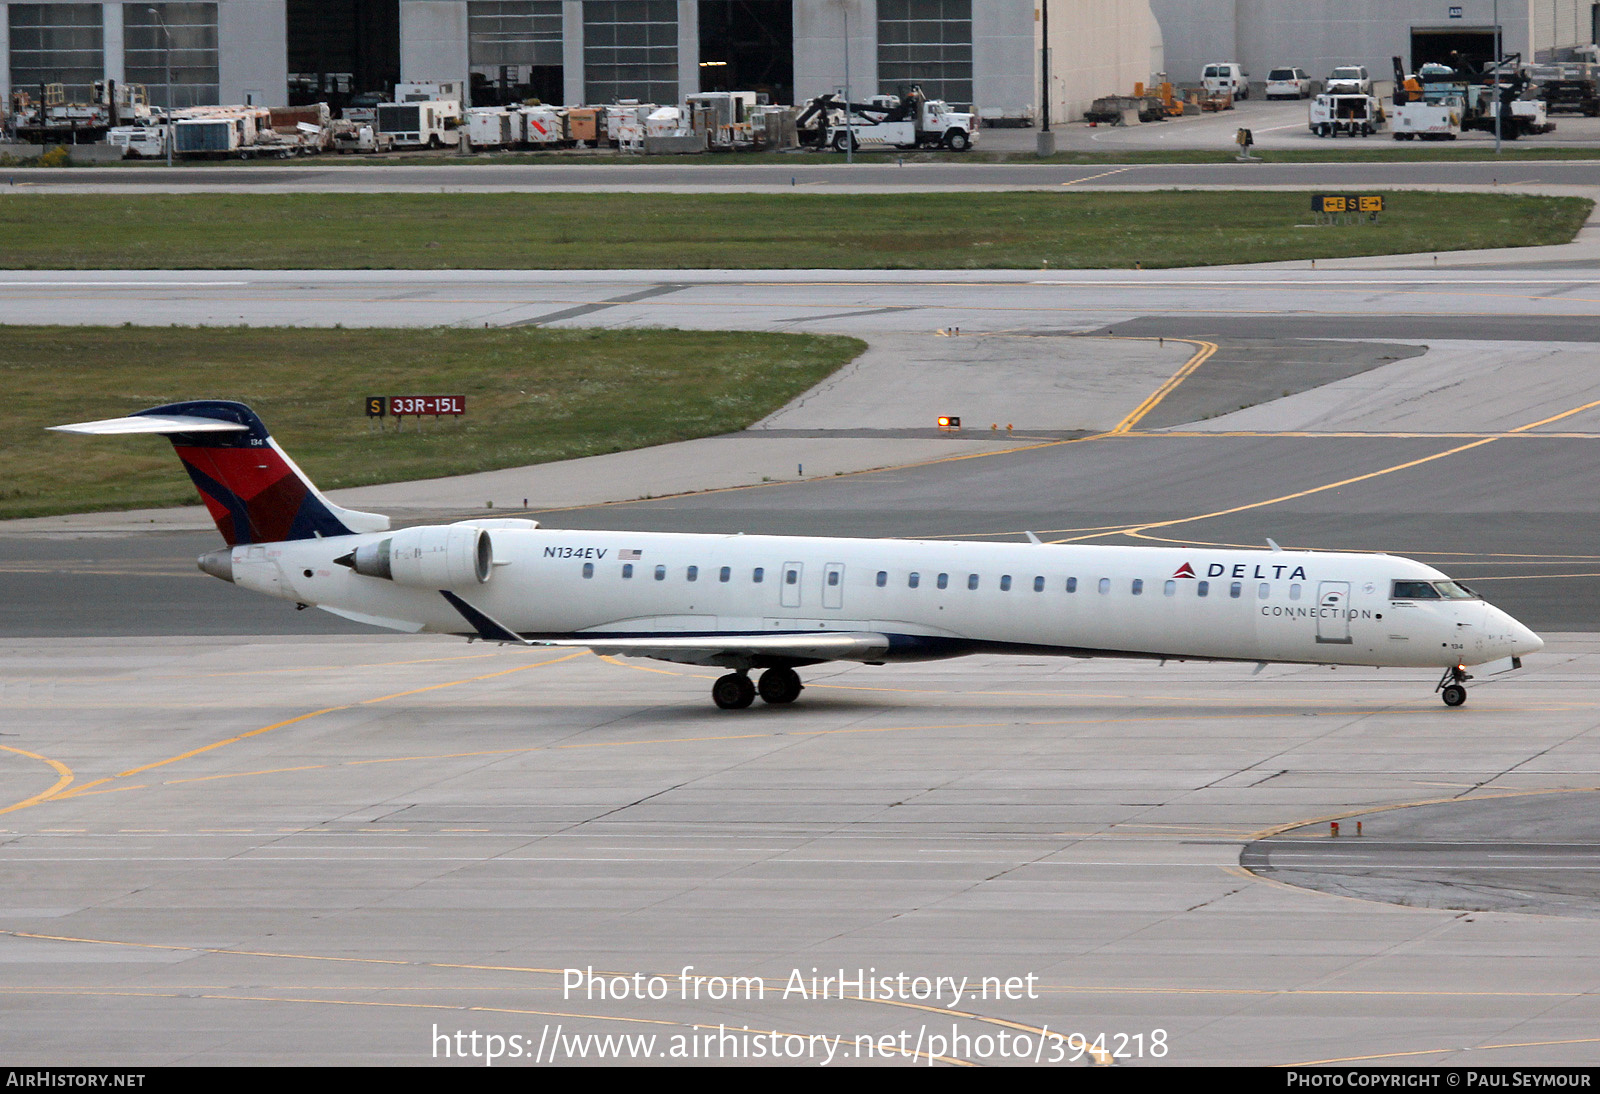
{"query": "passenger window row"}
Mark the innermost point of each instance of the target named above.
(974, 581)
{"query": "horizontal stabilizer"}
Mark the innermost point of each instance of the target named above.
(151, 423)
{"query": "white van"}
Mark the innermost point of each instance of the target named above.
(1227, 76)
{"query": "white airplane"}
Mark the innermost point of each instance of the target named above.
(779, 603)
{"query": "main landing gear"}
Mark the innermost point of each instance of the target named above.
(735, 690)
(1452, 686)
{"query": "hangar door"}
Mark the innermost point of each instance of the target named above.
(1459, 47)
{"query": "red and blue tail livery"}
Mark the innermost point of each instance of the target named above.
(251, 487)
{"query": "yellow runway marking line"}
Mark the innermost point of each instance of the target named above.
(1137, 528)
(1528, 577)
(1202, 354)
(89, 787)
(1459, 558)
(62, 782)
(561, 1055)
(1349, 434)
(1134, 529)
(1279, 829)
(1101, 175)
(1184, 715)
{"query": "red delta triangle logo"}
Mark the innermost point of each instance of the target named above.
(1185, 570)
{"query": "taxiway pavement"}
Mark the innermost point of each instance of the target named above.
(275, 846)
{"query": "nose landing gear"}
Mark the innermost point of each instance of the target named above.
(1452, 686)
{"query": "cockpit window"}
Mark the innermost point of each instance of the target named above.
(1414, 590)
(1454, 590)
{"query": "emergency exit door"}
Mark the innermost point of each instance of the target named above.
(1333, 615)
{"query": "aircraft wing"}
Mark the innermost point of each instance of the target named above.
(739, 651)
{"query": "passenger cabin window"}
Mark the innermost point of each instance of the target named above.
(1236, 589)
(758, 575)
(791, 577)
(693, 573)
(913, 580)
(1264, 590)
(661, 573)
(883, 578)
(1294, 592)
(1203, 589)
(1038, 584)
(972, 581)
(1072, 584)
(1414, 590)
(1170, 588)
(725, 573)
(833, 577)
(1105, 585)
(588, 569)
(627, 569)
(944, 581)
(1138, 586)
(1005, 583)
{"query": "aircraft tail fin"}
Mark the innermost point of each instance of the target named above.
(251, 487)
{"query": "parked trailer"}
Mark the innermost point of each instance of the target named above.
(1355, 115)
(1429, 121)
(1569, 87)
(49, 117)
(360, 138)
(139, 141)
(208, 137)
(625, 123)
(543, 126)
(434, 123)
(493, 127)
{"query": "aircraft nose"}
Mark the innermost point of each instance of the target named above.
(1523, 640)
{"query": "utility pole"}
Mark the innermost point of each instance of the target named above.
(1047, 139)
(166, 66)
(849, 124)
(1499, 109)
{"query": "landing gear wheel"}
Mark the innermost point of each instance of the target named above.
(733, 691)
(1452, 686)
(780, 685)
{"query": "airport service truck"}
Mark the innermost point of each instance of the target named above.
(905, 121)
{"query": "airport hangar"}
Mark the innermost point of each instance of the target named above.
(1266, 34)
(271, 52)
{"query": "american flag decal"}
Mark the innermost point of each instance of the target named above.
(626, 555)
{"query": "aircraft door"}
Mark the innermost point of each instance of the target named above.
(789, 591)
(833, 585)
(1333, 616)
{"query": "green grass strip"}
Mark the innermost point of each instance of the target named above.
(533, 395)
(746, 231)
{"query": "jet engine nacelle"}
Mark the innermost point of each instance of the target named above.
(434, 557)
